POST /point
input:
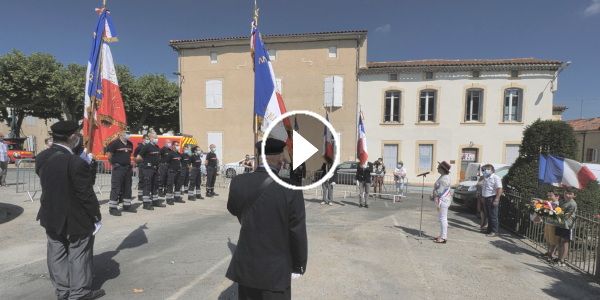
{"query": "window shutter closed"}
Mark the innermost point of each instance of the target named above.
(214, 94)
(338, 91)
(328, 93)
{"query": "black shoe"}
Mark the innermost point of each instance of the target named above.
(170, 202)
(178, 200)
(209, 195)
(148, 206)
(199, 197)
(129, 209)
(366, 205)
(360, 205)
(114, 212)
(157, 203)
(214, 194)
(191, 198)
(93, 295)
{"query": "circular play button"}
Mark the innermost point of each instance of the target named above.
(303, 149)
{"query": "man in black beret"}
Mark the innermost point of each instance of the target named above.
(70, 213)
(272, 245)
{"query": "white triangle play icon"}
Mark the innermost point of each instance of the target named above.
(303, 150)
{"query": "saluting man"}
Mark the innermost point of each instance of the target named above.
(211, 170)
(70, 213)
(149, 156)
(173, 162)
(119, 155)
(195, 175)
(272, 246)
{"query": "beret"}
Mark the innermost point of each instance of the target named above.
(64, 127)
(272, 146)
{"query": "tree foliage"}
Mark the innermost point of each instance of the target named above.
(38, 86)
(545, 137)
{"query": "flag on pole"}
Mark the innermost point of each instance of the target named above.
(328, 142)
(361, 149)
(104, 113)
(563, 171)
(268, 103)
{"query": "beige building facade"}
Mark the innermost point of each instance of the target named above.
(315, 72)
(34, 130)
(588, 138)
(460, 111)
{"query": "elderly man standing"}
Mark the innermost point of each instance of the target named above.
(70, 213)
(3, 160)
(491, 192)
(272, 247)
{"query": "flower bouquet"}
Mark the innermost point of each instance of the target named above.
(544, 210)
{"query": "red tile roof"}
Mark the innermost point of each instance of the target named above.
(585, 124)
(463, 62)
(266, 36)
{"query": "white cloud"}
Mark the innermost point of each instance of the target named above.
(387, 27)
(593, 9)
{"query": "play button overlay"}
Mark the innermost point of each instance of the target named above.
(302, 149)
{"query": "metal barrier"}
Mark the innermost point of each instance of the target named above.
(346, 184)
(27, 181)
(584, 247)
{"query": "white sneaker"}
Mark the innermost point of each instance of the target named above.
(330, 204)
(322, 202)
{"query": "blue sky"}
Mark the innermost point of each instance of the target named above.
(566, 30)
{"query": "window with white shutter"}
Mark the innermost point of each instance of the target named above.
(214, 94)
(334, 91)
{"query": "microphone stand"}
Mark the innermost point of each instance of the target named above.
(422, 197)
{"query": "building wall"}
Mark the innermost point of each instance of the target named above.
(302, 68)
(450, 134)
(588, 141)
(32, 127)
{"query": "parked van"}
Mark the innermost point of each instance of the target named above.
(465, 192)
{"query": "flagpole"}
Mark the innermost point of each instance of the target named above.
(255, 116)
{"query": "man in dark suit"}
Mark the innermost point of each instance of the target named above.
(70, 213)
(272, 245)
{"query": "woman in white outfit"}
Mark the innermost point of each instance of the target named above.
(442, 197)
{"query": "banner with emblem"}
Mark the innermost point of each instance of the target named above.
(104, 113)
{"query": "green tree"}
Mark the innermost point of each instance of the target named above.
(155, 104)
(68, 90)
(544, 137)
(24, 87)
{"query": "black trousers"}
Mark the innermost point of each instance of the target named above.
(163, 171)
(247, 293)
(121, 183)
(150, 184)
(184, 173)
(174, 182)
(140, 181)
(211, 177)
(195, 181)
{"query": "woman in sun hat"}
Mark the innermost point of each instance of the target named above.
(442, 197)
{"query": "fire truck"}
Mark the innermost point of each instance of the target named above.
(136, 139)
(15, 149)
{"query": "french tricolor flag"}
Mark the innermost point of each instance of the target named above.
(563, 171)
(361, 149)
(328, 142)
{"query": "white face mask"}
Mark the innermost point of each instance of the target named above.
(50, 143)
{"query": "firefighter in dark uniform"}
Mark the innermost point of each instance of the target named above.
(195, 175)
(119, 155)
(185, 169)
(272, 245)
(149, 156)
(173, 162)
(162, 168)
(211, 171)
(146, 140)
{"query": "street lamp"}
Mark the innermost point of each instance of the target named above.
(562, 67)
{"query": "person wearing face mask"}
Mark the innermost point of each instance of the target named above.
(174, 181)
(400, 180)
(363, 180)
(119, 155)
(70, 214)
(211, 170)
(145, 140)
(149, 156)
(195, 175)
(47, 143)
(184, 174)
(163, 170)
(491, 191)
(273, 245)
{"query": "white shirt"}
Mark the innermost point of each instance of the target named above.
(4, 151)
(400, 171)
(491, 185)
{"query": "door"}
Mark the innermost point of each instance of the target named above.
(469, 155)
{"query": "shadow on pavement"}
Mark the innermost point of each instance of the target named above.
(415, 233)
(565, 278)
(105, 267)
(12, 212)
(231, 291)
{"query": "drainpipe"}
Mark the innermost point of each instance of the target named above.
(583, 146)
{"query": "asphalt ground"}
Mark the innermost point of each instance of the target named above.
(383, 252)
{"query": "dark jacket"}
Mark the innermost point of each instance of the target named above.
(364, 174)
(68, 197)
(324, 171)
(272, 242)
